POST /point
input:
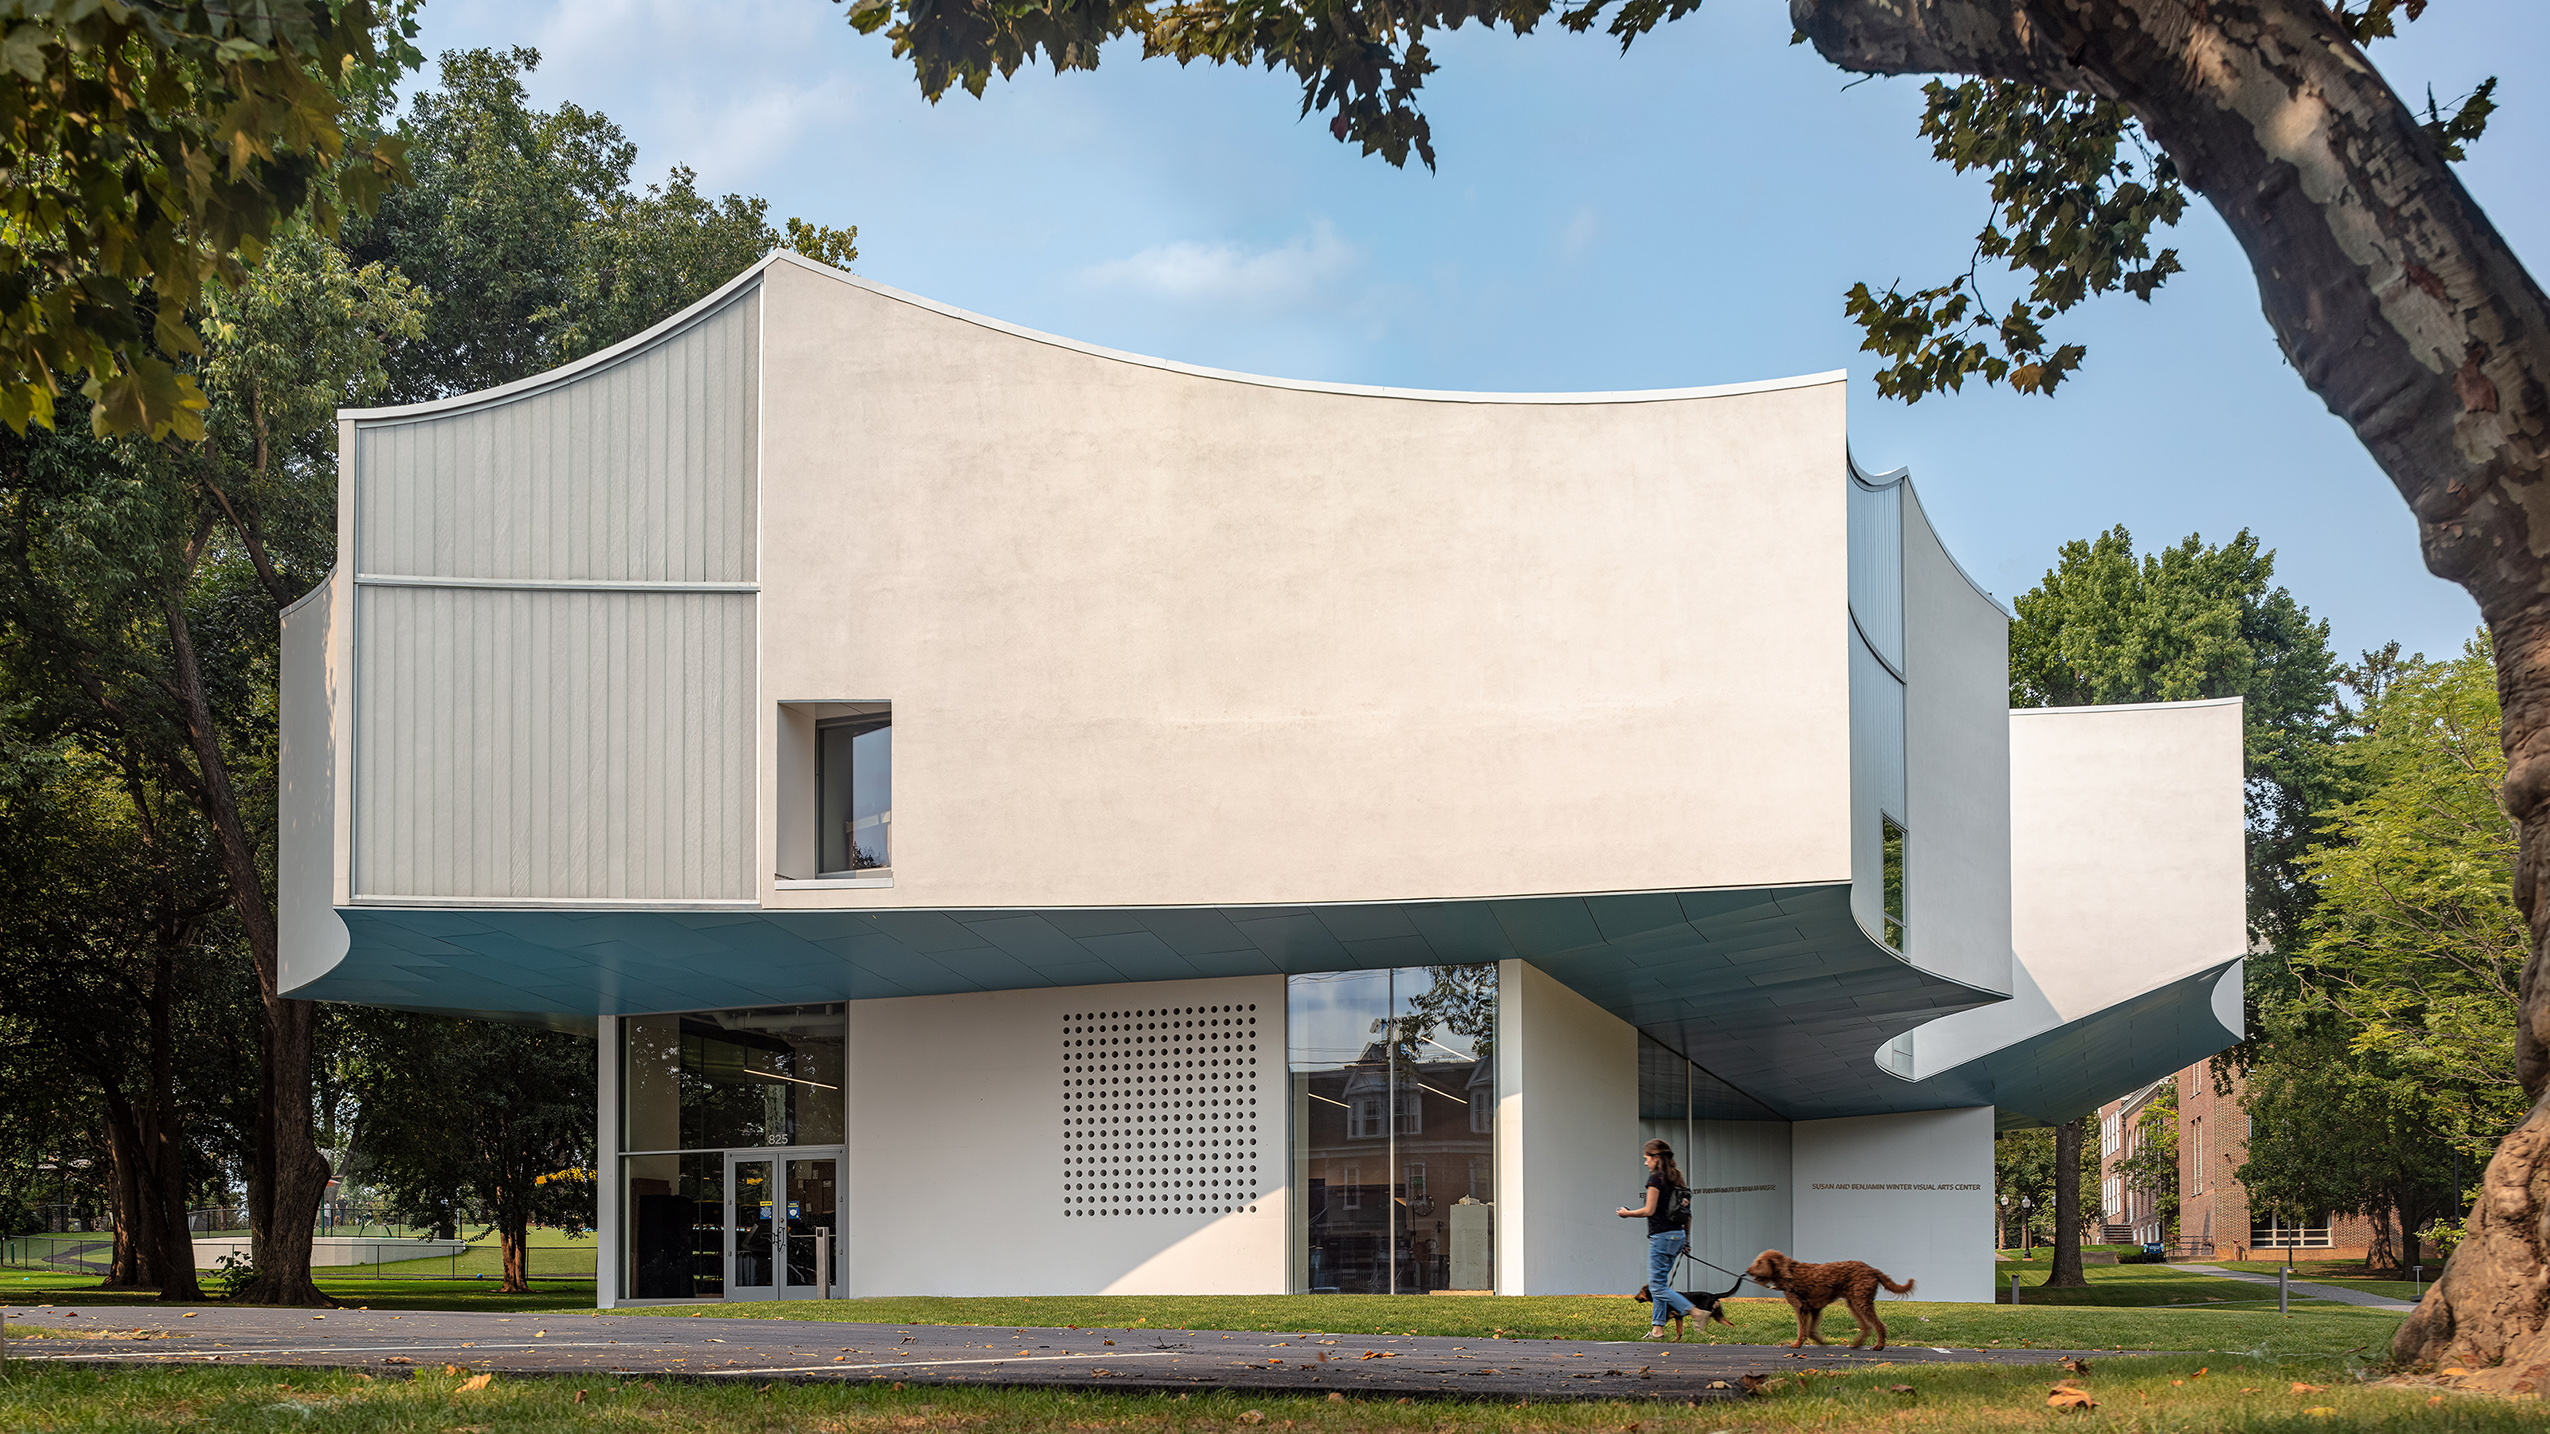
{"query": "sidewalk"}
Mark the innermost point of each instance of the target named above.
(2303, 1289)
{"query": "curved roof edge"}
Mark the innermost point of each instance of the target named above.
(2131, 706)
(734, 286)
(1893, 476)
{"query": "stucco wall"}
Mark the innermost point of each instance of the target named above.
(1567, 1141)
(1161, 637)
(311, 936)
(1910, 1194)
(1957, 765)
(957, 1159)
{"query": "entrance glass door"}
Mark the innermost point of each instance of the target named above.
(814, 1246)
(750, 1252)
(783, 1222)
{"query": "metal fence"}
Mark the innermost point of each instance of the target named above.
(551, 1256)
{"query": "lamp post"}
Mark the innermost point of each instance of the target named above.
(2027, 1227)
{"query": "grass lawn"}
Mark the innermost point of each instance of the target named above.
(549, 1252)
(21, 1288)
(2316, 1327)
(2346, 1273)
(2184, 1394)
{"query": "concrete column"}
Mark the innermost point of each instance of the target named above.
(607, 1234)
(1910, 1194)
(1567, 1141)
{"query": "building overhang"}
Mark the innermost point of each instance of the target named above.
(1777, 991)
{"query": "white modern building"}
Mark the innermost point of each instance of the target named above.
(1060, 821)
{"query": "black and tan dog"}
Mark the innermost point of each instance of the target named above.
(1811, 1287)
(1706, 1303)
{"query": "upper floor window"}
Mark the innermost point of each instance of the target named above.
(1894, 845)
(854, 772)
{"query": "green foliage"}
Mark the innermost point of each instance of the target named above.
(2336, 1129)
(2415, 938)
(2075, 195)
(2150, 1166)
(523, 227)
(474, 1113)
(234, 1273)
(2023, 1174)
(2385, 1065)
(2198, 621)
(149, 150)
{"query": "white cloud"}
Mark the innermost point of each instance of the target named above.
(1579, 234)
(1314, 270)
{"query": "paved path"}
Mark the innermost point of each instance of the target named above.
(2304, 1289)
(815, 1350)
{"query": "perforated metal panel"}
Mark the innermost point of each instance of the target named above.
(1165, 1111)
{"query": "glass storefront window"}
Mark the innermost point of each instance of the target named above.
(716, 1079)
(675, 1214)
(1393, 1075)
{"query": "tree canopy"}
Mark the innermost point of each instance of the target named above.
(2197, 620)
(150, 150)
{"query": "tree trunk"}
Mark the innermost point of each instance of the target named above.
(514, 1240)
(288, 1177)
(2066, 1274)
(2405, 311)
(163, 1135)
(125, 1269)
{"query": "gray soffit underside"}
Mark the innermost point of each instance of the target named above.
(2075, 1068)
(1776, 990)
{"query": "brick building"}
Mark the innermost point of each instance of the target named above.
(2214, 1218)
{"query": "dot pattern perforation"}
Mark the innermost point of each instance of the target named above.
(1160, 1112)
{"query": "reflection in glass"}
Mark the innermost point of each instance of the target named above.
(753, 1268)
(812, 1205)
(854, 774)
(676, 1226)
(725, 1078)
(1393, 1075)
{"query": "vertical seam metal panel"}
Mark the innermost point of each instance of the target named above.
(560, 743)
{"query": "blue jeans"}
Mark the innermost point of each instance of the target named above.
(1662, 1251)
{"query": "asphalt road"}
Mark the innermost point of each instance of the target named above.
(708, 1347)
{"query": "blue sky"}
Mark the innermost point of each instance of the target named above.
(1689, 214)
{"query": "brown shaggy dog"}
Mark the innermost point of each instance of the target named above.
(1811, 1287)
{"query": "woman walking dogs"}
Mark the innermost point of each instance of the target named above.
(1668, 1216)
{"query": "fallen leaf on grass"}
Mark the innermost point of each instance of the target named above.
(1252, 1416)
(2075, 1366)
(1336, 1399)
(1900, 1389)
(2069, 1396)
(451, 1369)
(2456, 1369)
(474, 1382)
(398, 1359)
(2319, 1411)
(2434, 1399)
(579, 1399)
(2301, 1388)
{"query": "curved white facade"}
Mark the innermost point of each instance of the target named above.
(1189, 676)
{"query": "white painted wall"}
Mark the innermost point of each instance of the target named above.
(311, 937)
(1743, 1193)
(1567, 1141)
(2127, 866)
(1910, 1194)
(1157, 636)
(1957, 765)
(956, 1159)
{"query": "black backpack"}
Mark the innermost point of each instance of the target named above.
(1677, 1205)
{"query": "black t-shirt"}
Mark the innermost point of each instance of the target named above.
(1659, 1223)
